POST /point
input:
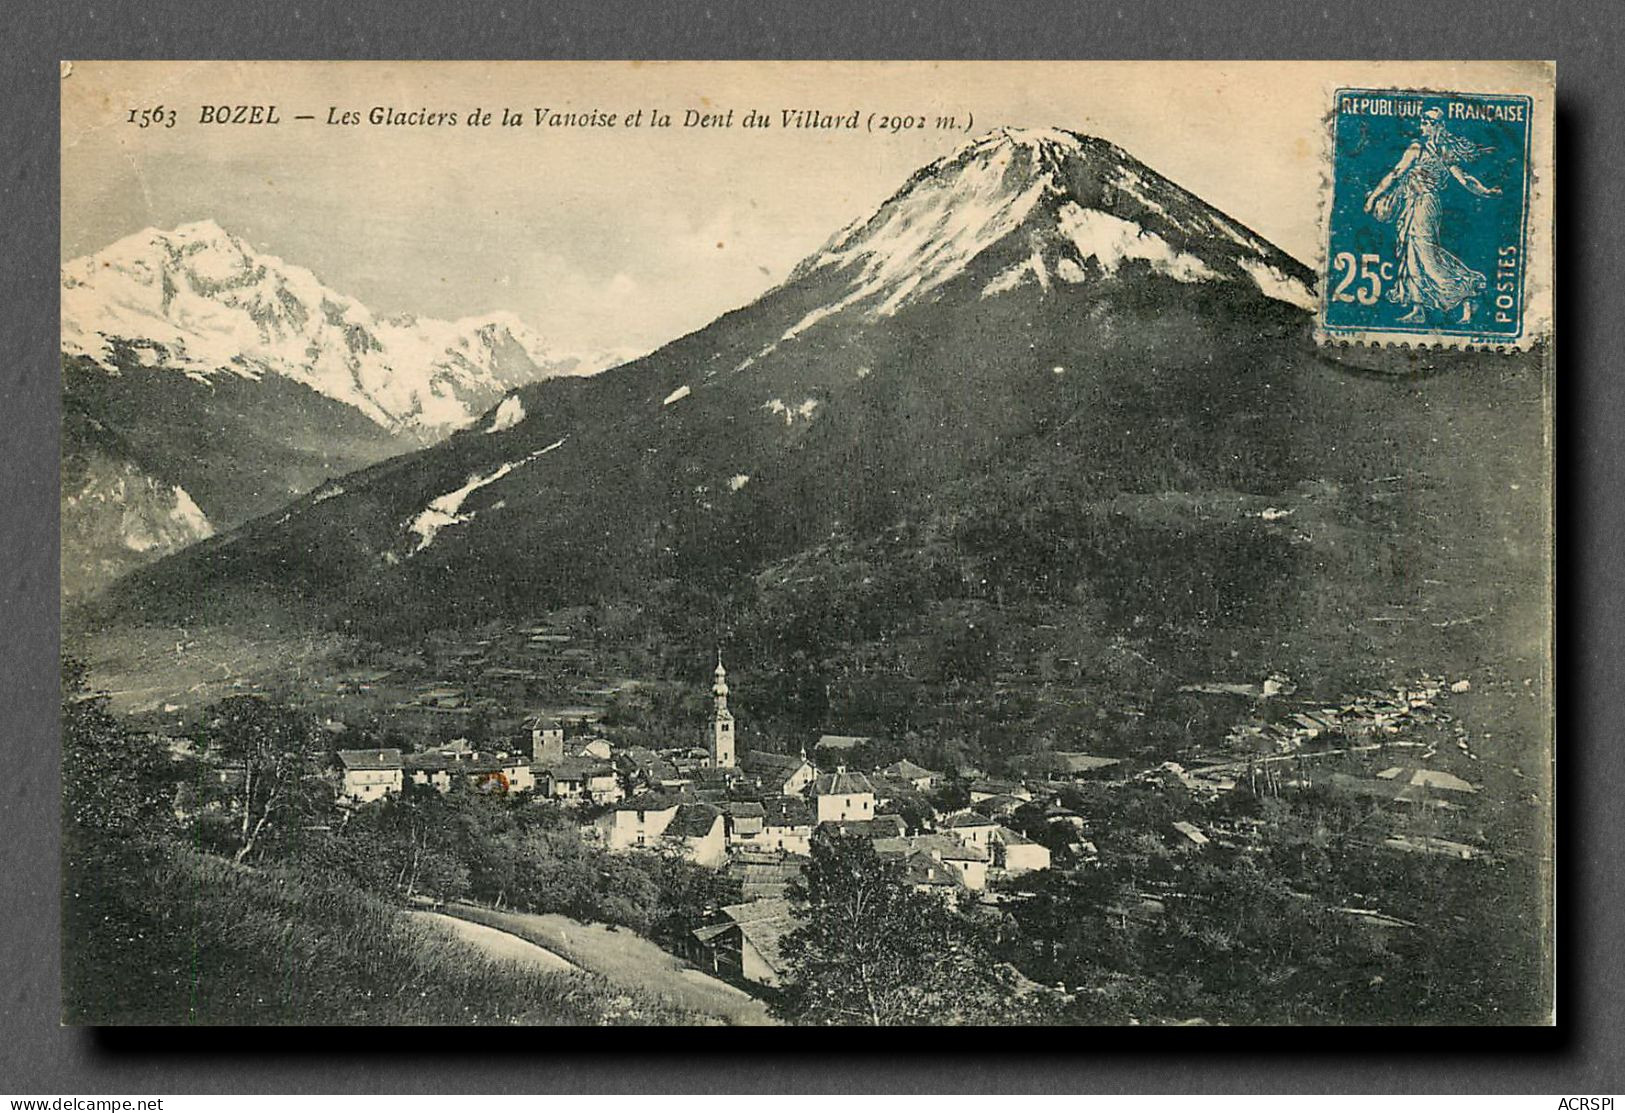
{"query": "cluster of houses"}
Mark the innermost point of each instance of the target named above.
(755, 814)
(752, 813)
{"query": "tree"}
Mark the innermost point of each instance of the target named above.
(873, 950)
(114, 784)
(270, 742)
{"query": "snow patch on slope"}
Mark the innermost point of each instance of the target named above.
(1275, 284)
(930, 232)
(1111, 241)
(510, 412)
(447, 509)
(804, 411)
(677, 395)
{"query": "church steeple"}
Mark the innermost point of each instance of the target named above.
(721, 740)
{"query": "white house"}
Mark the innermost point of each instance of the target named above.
(841, 796)
(697, 832)
(491, 772)
(971, 828)
(787, 825)
(369, 775)
(1016, 854)
(918, 777)
(777, 774)
(639, 821)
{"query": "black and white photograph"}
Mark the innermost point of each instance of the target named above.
(807, 543)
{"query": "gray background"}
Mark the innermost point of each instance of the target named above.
(1580, 1056)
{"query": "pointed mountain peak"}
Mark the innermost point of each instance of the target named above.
(1045, 207)
(205, 230)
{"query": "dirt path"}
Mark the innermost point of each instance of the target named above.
(627, 960)
(498, 944)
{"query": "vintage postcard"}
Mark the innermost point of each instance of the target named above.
(807, 543)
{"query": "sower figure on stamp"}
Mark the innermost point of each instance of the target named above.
(1428, 276)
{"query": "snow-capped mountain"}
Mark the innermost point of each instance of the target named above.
(1032, 293)
(1079, 207)
(201, 301)
(205, 383)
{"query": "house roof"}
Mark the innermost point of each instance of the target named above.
(1002, 803)
(694, 820)
(1014, 838)
(710, 932)
(880, 827)
(1427, 778)
(765, 909)
(922, 869)
(842, 783)
(786, 811)
(1191, 832)
(936, 846)
(648, 802)
(764, 923)
(908, 771)
(745, 809)
(1072, 761)
(370, 759)
(434, 762)
(962, 820)
(763, 762)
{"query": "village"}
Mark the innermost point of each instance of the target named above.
(968, 836)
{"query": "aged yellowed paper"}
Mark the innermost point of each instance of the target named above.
(812, 543)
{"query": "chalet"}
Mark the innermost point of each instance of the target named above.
(575, 780)
(880, 827)
(918, 777)
(777, 774)
(744, 820)
(1193, 835)
(1426, 779)
(988, 789)
(746, 942)
(787, 825)
(841, 795)
(650, 769)
(369, 775)
(443, 697)
(639, 821)
(696, 831)
(966, 865)
(500, 771)
(762, 873)
(971, 828)
(1016, 854)
(594, 749)
(1000, 805)
(930, 875)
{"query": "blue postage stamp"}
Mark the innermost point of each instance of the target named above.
(1427, 237)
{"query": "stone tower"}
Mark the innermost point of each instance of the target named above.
(721, 740)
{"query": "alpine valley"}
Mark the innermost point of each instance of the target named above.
(206, 383)
(1039, 441)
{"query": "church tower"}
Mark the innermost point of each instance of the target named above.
(721, 741)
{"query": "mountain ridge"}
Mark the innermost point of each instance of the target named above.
(904, 342)
(205, 383)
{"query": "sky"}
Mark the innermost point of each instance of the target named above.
(623, 238)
